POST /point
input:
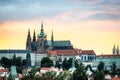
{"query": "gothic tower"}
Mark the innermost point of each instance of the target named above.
(28, 42)
(34, 43)
(41, 40)
(114, 49)
(52, 41)
(117, 51)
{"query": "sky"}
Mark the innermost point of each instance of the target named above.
(88, 24)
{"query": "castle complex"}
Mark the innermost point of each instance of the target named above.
(41, 44)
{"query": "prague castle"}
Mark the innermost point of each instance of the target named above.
(41, 44)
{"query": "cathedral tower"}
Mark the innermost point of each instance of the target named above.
(28, 42)
(34, 43)
(117, 51)
(114, 49)
(52, 41)
(41, 40)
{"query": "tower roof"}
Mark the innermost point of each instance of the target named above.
(52, 36)
(29, 33)
(34, 37)
(42, 31)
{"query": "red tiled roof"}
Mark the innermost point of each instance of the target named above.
(108, 55)
(3, 70)
(89, 52)
(66, 52)
(45, 68)
(116, 78)
(52, 52)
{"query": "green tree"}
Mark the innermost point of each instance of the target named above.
(100, 66)
(70, 63)
(13, 61)
(65, 64)
(113, 68)
(99, 75)
(57, 64)
(46, 62)
(80, 73)
(50, 75)
(64, 76)
(5, 62)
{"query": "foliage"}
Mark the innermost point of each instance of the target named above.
(113, 68)
(99, 75)
(80, 73)
(50, 75)
(46, 62)
(57, 64)
(10, 77)
(65, 64)
(100, 66)
(5, 62)
(89, 66)
(8, 62)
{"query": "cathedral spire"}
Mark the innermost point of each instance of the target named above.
(42, 30)
(52, 40)
(28, 33)
(117, 51)
(52, 36)
(114, 49)
(34, 37)
(28, 42)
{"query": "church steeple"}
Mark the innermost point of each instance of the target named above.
(34, 42)
(52, 40)
(29, 33)
(28, 42)
(34, 37)
(52, 36)
(117, 51)
(42, 34)
(42, 30)
(114, 49)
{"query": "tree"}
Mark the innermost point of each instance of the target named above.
(99, 75)
(113, 68)
(57, 64)
(100, 66)
(80, 73)
(65, 64)
(46, 62)
(5, 62)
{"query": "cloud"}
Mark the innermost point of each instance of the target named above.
(18, 10)
(104, 16)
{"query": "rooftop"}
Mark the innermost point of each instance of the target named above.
(89, 52)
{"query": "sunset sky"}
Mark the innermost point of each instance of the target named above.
(88, 24)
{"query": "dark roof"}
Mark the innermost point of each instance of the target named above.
(62, 43)
(13, 51)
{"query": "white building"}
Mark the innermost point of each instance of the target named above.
(87, 56)
(108, 60)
